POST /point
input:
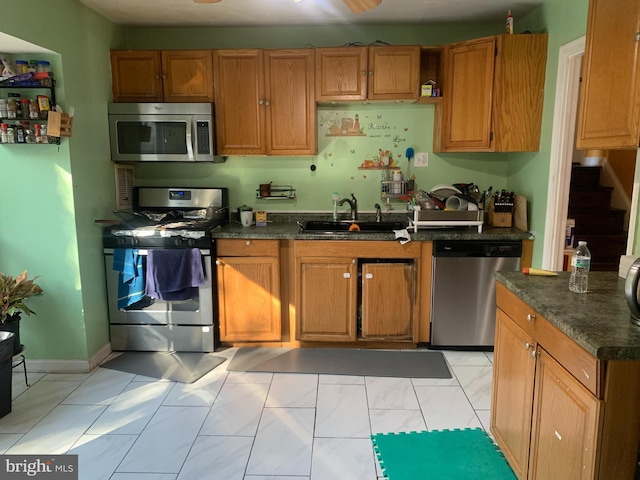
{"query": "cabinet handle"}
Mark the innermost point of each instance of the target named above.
(368, 276)
(248, 242)
(267, 103)
(260, 102)
(218, 262)
(371, 73)
(531, 317)
(637, 36)
(164, 77)
(346, 275)
(535, 353)
(363, 72)
(527, 346)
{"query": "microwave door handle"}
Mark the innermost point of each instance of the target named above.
(190, 139)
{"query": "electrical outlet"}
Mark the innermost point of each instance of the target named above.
(421, 160)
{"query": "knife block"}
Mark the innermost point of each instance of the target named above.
(499, 219)
(518, 214)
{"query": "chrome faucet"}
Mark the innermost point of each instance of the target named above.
(378, 212)
(353, 203)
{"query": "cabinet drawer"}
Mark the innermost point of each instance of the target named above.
(586, 368)
(246, 248)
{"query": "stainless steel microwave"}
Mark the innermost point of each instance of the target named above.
(162, 132)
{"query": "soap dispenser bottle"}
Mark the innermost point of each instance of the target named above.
(335, 197)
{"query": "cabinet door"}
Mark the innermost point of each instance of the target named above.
(518, 92)
(394, 73)
(249, 298)
(290, 107)
(565, 423)
(387, 300)
(467, 98)
(610, 98)
(135, 76)
(326, 299)
(341, 73)
(239, 98)
(512, 395)
(187, 76)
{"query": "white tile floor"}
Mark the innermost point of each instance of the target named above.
(236, 426)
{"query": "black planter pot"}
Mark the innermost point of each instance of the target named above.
(12, 324)
(6, 347)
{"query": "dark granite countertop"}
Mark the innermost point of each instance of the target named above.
(285, 227)
(597, 320)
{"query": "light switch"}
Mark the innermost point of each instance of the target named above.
(421, 160)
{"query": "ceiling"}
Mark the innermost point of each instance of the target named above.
(186, 13)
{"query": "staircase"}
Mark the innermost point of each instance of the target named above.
(601, 226)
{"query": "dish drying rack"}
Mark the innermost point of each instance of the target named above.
(443, 218)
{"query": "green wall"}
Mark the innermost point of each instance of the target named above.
(528, 173)
(51, 194)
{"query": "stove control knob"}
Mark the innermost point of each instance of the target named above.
(191, 242)
(177, 242)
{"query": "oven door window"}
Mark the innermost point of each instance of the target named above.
(152, 137)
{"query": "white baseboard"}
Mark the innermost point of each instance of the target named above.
(69, 366)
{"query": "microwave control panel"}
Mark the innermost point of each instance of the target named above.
(202, 132)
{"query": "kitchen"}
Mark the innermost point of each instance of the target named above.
(71, 186)
(80, 169)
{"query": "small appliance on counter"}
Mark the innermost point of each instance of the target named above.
(631, 291)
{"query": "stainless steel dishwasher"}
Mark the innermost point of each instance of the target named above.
(463, 292)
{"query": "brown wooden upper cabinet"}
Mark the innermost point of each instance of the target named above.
(162, 76)
(368, 73)
(493, 95)
(610, 98)
(265, 102)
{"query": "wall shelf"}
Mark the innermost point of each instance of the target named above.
(278, 192)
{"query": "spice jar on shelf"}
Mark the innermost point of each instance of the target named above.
(34, 111)
(29, 133)
(3, 108)
(11, 135)
(12, 108)
(4, 133)
(22, 66)
(43, 66)
(24, 108)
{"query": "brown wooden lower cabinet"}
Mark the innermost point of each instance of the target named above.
(558, 412)
(387, 300)
(327, 298)
(248, 290)
(348, 291)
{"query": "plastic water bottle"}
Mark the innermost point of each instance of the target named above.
(580, 264)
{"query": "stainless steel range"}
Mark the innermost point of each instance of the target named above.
(158, 262)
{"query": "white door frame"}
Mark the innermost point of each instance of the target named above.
(562, 146)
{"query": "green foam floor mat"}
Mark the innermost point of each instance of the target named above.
(441, 454)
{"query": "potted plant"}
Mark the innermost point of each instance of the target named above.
(13, 293)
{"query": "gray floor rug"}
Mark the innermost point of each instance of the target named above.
(341, 361)
(185, 367)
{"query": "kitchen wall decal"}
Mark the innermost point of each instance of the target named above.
(344, 126)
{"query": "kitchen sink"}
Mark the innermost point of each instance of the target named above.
(319, 227)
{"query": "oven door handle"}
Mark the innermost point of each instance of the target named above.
(190, 127)
(205, 252)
